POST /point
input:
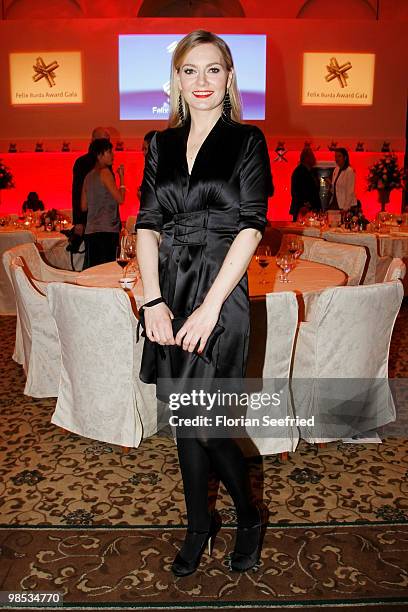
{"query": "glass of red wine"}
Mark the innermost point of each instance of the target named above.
(263, 259)
(122, 258)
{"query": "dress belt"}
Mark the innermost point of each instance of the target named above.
(191, 228)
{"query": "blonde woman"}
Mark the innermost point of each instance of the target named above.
(204, 193)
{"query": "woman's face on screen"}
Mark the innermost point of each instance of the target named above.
(203, 77)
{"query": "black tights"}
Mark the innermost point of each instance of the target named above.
(197, 456)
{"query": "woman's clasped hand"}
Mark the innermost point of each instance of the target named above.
(197, 329)
(158, 324)
(192, 336)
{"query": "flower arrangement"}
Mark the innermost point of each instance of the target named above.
(354, 215)
(49, 216)
(386, 174)
(6, 178)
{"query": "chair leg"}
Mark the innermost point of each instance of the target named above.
(284, 456)
(125, 450)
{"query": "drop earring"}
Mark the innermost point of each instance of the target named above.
(226, 105)
(181, 109)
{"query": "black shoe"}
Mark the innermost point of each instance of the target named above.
(248, 545)
(188, 559)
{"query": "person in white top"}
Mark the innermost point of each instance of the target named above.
(343, 182)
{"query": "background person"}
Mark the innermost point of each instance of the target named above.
(100, 200)
(33, 203)
(305, 185)
(82, 166)
(343, 181)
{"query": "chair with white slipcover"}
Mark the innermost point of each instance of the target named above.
(36, 269)
(54, 253)
(376, 266)
(340, 365)
(282, 321)
(349, 258)
(39, 337)
(36, 266)
(7, 241)
(396, 270)
(100, 395)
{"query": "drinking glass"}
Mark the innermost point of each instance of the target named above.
(263, 259)
(295, 247)
(130, 246)
(121, 258)
(286, 262)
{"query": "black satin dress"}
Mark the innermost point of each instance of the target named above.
(198, 217)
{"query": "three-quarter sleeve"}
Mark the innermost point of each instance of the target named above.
(255, 183)
(150, 214)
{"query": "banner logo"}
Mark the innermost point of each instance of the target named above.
(41, 71)
(338, 72)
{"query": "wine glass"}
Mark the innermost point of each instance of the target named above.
(130, 252)
(295, 247)
(121, 258)
(263, 259)
(286, 262)
(130, 246)
(399, 222)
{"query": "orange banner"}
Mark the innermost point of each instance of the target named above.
(340, 79)
(46, 78)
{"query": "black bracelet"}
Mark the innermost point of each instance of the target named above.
(153, 302)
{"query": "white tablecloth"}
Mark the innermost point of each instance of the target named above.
(393, 244)
(48, 238)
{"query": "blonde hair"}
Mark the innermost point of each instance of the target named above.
(190, 41)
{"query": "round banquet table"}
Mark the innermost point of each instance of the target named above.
(48, 238)
(51, 244)
(306, 280)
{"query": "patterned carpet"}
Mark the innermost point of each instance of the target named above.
(98, 505)
(332, 563)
